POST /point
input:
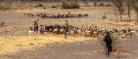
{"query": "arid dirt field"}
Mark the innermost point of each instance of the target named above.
(16, 43)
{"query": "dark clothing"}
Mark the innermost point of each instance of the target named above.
(66, 29)
(109, 49)
(66, 33)
(108, 43)
(108, 39)
(35, 27)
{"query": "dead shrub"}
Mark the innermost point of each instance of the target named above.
(39, 5)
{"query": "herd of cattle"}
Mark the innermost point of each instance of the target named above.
(45, 15)
(89, 32)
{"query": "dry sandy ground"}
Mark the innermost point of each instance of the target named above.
(56, 47)
(17, 18)
(49, 47)
(13, 44)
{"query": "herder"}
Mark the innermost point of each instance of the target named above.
(108, 43)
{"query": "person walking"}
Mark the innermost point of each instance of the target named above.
(35, 26)
(66, 29)
(108, 43)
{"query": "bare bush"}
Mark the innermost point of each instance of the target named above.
(101, 4)
(119, 5)
(4, 8)
(95, 4)
(2, 24)
(108, 5)
(135, 6)
(53, 6)
(39, 5)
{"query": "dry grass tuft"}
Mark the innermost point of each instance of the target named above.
(120, 53)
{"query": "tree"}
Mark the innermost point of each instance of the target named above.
(135, 6)
(86, 2)
(128, 9)
(119, 5)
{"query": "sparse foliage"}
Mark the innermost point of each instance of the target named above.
(70, 5)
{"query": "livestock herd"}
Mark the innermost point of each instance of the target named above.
(89, 32)
(46, 15)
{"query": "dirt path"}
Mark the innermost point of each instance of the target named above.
(78, 50)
